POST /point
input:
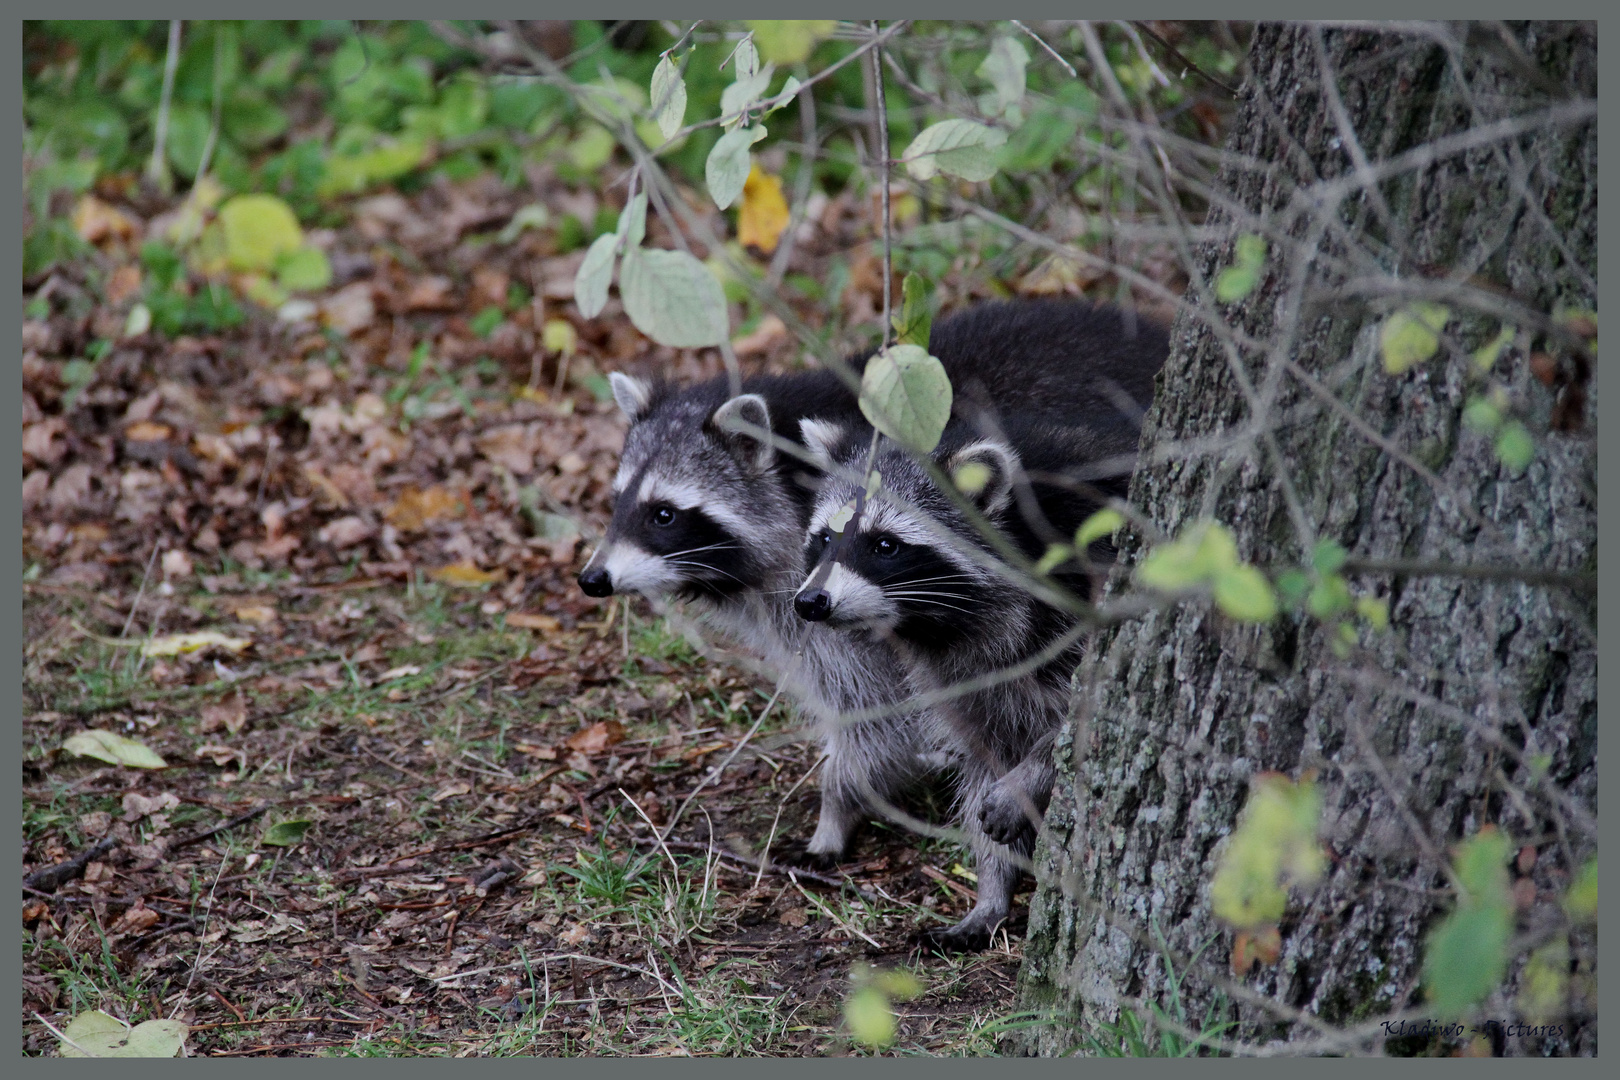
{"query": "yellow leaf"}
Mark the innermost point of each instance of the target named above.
(789, 41)
(870, 1019)
(559, 336)
(96, 221)
(467, 575)
(416, 509)
(175, 644)
(524, 620)
(114, 749)
(259, 229)
(764, 212)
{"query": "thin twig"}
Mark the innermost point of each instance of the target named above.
(882, 120)
(1050, 51)
(157, 169)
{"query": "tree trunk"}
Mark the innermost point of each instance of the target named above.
(1421, 734)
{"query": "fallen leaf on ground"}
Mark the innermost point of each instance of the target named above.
(574, 935)
(175, 644)
(523, 620)
(96, 221)
(96, 1034)
(345, 532)
(255, 613)
(221, 755)
(147, 431)
(114, 749)
(598, 736)
(467, 575)
(451, 790)
(230, 715)
(137, 806)
(415, 508)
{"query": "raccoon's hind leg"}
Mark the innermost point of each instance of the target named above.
(868, 765)
(1013, 807)
(998, 867)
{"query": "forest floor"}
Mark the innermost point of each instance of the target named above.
(408, 784)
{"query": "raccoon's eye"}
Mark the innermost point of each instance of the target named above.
(663, 516)
(824, 539)
(885, 547)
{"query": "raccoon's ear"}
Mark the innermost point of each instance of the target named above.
(822, 438)
(984, 471)
(632, 394)
(754, 454)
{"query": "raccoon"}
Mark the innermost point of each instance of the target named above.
(714, 516)
(905, 572)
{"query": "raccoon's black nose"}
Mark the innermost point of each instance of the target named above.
(596, 582)
(814, 605)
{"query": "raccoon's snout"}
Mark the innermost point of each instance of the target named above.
(596, 582)
(814, 605)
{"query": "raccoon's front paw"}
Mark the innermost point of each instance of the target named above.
(797, 854)
(1004, 816)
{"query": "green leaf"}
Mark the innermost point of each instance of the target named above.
(906, 394)
(1466, 957)
(259, 229)
(286, 833)
(668, 97)
(1328, 597)
(1485, 356)
(1004, 68)
(1056, 555)
(304, 270)
(1292, 585)
(1244, 594)
(594, 275)
(114, 749)
(1203, 550)
(745, 92)
(1514, 447)
(1373, 609)
(898, 984)
(1248, 260)
(727, 166)
(251, 121)
(1273, 846)
(96, 1034)
(1103, 523)
(789, 41)
(484, 323)
(961, 148)
(914, 322)
(1327, 556)
(532, 216)
(1544, 981)
(1581, 900)
(591, 148)
(633, 221)
(673, 298)
(188, 134)
(870, 1018)
(745, 59)
(970, 477)
(1412, 335)
(1482, 415)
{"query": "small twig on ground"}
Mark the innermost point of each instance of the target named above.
(51, 878)
(136, 604)
(715, 773)
(765, 854)
(827, 911)
(774, 869)
(239, 819)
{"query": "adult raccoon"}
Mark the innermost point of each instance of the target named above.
(915, 571)
(715, 516)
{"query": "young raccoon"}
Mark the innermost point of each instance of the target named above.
(714, 516)
(912, 571)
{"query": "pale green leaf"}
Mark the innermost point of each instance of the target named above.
(1466, 957)
(594, 275)
(96, 1034)
(1412, 335)
(1327, 556)
(914, 322)
(1485, 356)
(532, 216)
(114, 749)
(1273, 846)
(899, 985)
(970, 477)
(1238, 280)
(1514, 447)
(139, 321)
(727, 167)
(743, 94)
(673, 298)
(1328, 597)
(789, 41)
(668, 97)
(1004, 68)
(1056, 555)
(745, 59)
(1482, 415)
(286, 833)
(1203, 549)
(1544, 981)
(906, 394)
(1373, 609)
(790, 90)
(304, 270)
(1103, 523)
(1582, 899)
(1244, 594)
(870, 1018)
(259, 229)
(633, 221)
(958, 147)
(175, 644)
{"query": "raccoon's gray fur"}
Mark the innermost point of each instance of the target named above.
(905, 572)
(716, 517)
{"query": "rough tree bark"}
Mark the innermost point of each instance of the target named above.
(1175, 712)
